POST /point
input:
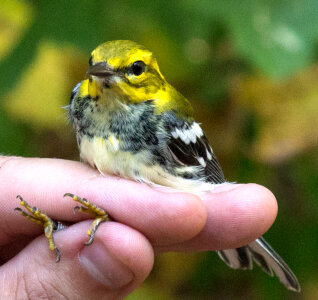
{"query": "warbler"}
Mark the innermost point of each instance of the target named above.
(129, 121)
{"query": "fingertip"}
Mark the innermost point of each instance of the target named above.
(263, 201)
(246, 212)
(129, 247)
(253, 208)
(237, 215)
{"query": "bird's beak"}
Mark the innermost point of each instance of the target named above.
(100, 70)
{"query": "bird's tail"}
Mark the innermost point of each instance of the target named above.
(266, 257)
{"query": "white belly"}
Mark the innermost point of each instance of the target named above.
(106, 157)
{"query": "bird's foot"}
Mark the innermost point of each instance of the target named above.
(50, 226)
(88, 207)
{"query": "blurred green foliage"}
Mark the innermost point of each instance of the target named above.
(250, 68)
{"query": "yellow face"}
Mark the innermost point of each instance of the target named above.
(127, 72)
(126, 68)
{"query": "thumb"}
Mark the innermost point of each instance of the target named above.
(115, 264)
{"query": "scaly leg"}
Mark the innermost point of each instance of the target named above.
(35, 215)
(88, 207)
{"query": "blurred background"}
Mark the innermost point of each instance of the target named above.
(249, 67)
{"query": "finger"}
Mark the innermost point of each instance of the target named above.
(164, 218)
(237, 215)
(115, 264)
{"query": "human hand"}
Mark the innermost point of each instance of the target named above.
(147, 221)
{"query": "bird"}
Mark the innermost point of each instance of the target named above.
(130, 122)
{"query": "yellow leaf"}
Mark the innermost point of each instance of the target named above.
(15, 17)
(45, 87)
(287, 111)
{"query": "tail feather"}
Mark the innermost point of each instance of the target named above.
(239, 258)
(266, 257)
(261, 261)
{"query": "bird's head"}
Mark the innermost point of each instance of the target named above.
(126, 68)
(125, 72)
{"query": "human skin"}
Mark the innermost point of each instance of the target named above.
(147, 221)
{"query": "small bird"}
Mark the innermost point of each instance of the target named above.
(129, 121)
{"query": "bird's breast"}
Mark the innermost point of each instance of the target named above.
(108, 158)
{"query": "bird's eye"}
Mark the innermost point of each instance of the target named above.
(138, 67)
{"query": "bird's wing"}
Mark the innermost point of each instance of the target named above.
(189, 147)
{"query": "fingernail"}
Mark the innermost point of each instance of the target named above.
(105, 267)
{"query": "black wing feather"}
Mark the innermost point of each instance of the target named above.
(187, 155)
